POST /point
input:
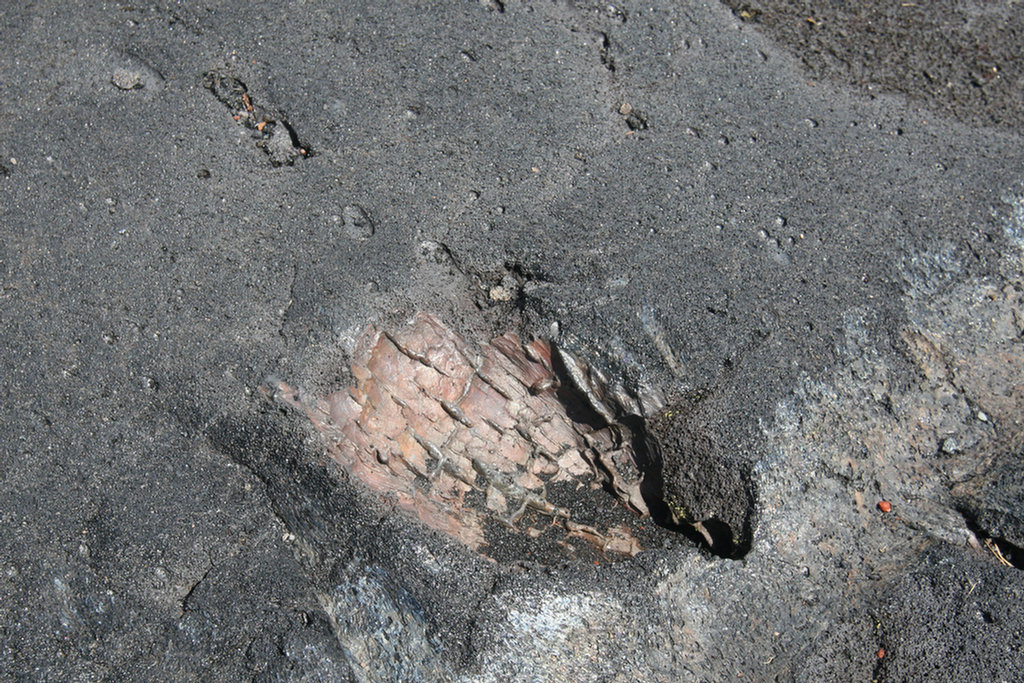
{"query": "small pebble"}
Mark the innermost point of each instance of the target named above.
(499, 293)
(885, 506)
(358, 224)
(126, 79)
(160, 576)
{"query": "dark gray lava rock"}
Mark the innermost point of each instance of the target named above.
(703, 483)
(955, 617)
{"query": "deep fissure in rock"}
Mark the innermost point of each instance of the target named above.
(508, 445)
(1005, 551)
(714, 534)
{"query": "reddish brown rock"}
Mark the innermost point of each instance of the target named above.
(463, 440)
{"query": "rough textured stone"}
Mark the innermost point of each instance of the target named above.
(828, 277)
(474, 442)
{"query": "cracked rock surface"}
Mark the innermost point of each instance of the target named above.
(477, 444)
(820, 281)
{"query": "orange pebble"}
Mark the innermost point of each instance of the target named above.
(884, 506)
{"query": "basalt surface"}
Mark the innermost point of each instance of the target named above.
(676, 269)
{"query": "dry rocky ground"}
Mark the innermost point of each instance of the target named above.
(758, 266)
